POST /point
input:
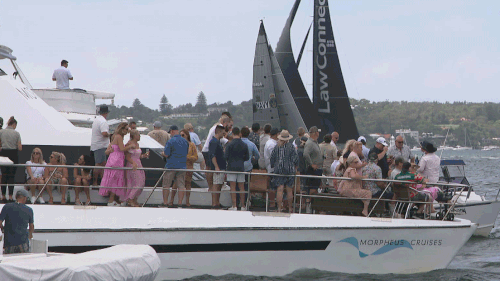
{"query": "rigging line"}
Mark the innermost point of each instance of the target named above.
(444, 143)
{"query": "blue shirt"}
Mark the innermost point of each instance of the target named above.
(236, 154)
(253, 152)
(16, 217)
(176, 150)
(215, 150)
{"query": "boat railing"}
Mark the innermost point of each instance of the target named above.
(296, 195)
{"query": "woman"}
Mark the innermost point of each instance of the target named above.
(348, 148)
(192, 156)
(284, 160)
(82, 178)
(59, 176)
(357, 152)
(10, 145)
(136, 179)
(113, 181)
(34, 175)
(354, 188)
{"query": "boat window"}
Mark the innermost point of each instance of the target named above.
(454, 171)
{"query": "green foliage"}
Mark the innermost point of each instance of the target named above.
(201, 103)
(165, 106)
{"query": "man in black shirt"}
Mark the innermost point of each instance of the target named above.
(381, 148)
(17, 217)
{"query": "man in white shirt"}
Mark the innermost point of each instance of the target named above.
(335, 139)
(263, 140)
(268, 149)
(62, 75)
(366, 150)
(100, 140)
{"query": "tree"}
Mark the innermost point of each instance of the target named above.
(201, 103)
(137, 103)
(165, 107)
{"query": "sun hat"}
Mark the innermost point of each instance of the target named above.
(427, 146)
(285, 135)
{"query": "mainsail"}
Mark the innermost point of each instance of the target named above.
(329, 92)
(265, 104)
(286, 61)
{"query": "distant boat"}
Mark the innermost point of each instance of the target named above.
(465, 147)
(490, 147)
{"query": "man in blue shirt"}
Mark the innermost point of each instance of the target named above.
(176, 150)
(253, 152)
(17, 217)
(217, 163)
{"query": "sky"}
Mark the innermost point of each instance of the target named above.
(389, 50)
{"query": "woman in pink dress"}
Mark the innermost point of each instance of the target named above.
(135, 179)
(354, 188)
(113, 181)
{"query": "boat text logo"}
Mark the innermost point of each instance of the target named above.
(389, 245)
(321, 60)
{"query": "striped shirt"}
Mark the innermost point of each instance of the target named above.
(284, 159)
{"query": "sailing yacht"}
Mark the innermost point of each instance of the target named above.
(465, 147)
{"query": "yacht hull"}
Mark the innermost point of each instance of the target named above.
(484, 214)
(195, 242)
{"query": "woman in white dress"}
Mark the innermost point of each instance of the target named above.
(34, 175)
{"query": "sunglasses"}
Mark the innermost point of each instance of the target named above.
(399, 142)
(36, 153)
(183, 135)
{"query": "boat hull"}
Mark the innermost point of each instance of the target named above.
(196, 242)
(484, 214)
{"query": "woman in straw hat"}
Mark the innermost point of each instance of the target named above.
(284, 160)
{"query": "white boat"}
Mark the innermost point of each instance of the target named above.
(470, 205)
(121, 262)
(193, 242)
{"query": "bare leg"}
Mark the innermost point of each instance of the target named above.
(49, 191)
(218, 188)
(366, 203)
(63, 191)
(78, 182)
(182, 191)
(279, 197)
(232, 185)
(32, 183)
(241, 186)
(174, 191)
(189, 178)
(289, 195)
(86, 190)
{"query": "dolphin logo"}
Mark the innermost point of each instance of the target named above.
(384, 249)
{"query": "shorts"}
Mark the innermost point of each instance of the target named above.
(280, 180)
(18, 249)
(178, 177)
(207, 161)
(236, 177)
(99, 155)
(219, 178)
(313, 183)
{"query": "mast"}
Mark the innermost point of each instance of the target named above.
(330, 98)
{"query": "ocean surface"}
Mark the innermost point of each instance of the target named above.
(479, 259)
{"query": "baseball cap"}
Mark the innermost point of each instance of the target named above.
(23, 192)
(362, 138)
(274, 131)
(382, 141)
(157, 124)
(173, 128)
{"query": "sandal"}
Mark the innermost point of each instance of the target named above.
(87, 203)
(78, 202)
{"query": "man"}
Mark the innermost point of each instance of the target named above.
(217, 163)
(398, 166)
(100, 141)
(194, 136)
(366, 150)
(381, 149)
(158, 134)
(314, 164)
(253, 153)
(62, 75)
(329, 153)
(335, 139)
(132, 125)
(268, 148)
(17, 217)
(400, 149)
(254, 135)
(175, 151)
(236, 154)
(224, 121)
(263, 140)
(430, 162)
(373, 171)
(300, 132)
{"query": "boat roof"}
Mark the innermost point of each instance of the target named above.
(456, 162)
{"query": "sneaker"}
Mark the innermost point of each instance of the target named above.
(233, 209)
(40, 199)
(243, 209)
(113, 204)
(33, 199)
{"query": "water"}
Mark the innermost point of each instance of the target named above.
(479, 259)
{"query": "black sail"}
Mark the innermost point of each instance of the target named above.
(330, 98)
(286, 61)
(265, 105)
